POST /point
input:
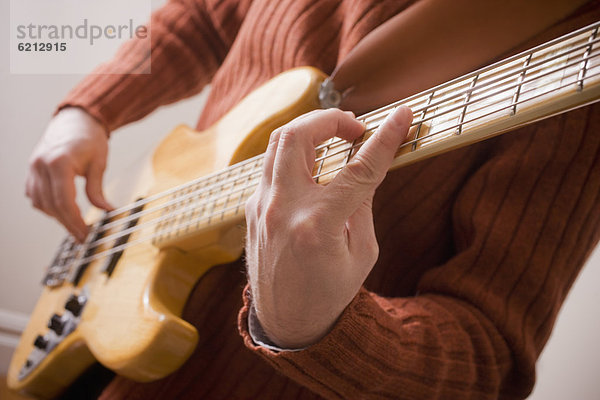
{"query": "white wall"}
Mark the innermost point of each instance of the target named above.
(567, 369)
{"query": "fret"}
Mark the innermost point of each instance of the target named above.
(244, 184)
(228, 191)
(538, 83)
(584, 64)
(186, 215)
(472, 104)
(196, 206)
(330, 161)
(248, 183)
(351, 151)
(215, 202)
(499, 79)
(236, 195)
(164, 223)
(520, 79)
(321, 158)
(197, 197)
(466, 104)
(493, 94)
(206, 195)
(543, 87)
(423, 115)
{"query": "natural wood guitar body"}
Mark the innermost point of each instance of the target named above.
(131, 322)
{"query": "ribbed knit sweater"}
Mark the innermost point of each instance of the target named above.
(478, 247)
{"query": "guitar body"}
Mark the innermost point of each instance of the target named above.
(131, 320)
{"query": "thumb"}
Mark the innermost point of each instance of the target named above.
(365, 171)
(93, 187)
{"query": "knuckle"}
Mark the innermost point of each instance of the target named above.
(310, 114)
(95, 171)
(335, 112)
(60, 202)
(274, 137)
(35, 202)
(361, 170)
(57, 162)
(251, 207)
(304, 233)
(272, 218)
(383, 140)
(37, 163)
(288, 133)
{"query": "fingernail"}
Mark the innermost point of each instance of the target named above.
(394, 116)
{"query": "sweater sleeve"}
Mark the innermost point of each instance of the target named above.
(524, 223)
(188, 41)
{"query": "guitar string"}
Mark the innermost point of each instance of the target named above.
(564, 43)
(255, 171)
(502, 89)
(233, 179)
(236, 178)
(225, 210)
(154, 197)
(543, 49)
(187, 196)
(175, 213)
(453, 127)
(495, 84)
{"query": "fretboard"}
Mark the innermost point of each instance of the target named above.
(558, 76)
(549, 79)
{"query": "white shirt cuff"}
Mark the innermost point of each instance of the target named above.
(258, 334)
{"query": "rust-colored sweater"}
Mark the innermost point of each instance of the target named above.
(479, 247)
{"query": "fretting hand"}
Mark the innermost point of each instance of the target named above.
(310, 247)
(73, 144)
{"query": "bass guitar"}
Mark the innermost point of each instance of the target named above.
(117, 298)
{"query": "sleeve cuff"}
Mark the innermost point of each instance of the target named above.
(90, 111)
(258, 335)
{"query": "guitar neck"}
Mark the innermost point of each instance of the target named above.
(550, 79)
(544, 81)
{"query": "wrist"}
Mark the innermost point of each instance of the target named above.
(293, 331)
(81, 115)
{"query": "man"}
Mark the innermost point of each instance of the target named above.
(477, 248)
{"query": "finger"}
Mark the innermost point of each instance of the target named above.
(63, 194)
(30, 190)
(93, 187)
(364, 172)
(295, 157)
(42, 199)
(269, 158)
(271, 151)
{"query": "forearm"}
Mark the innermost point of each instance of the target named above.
(186, 49)
(429, 347)
(438, 40)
